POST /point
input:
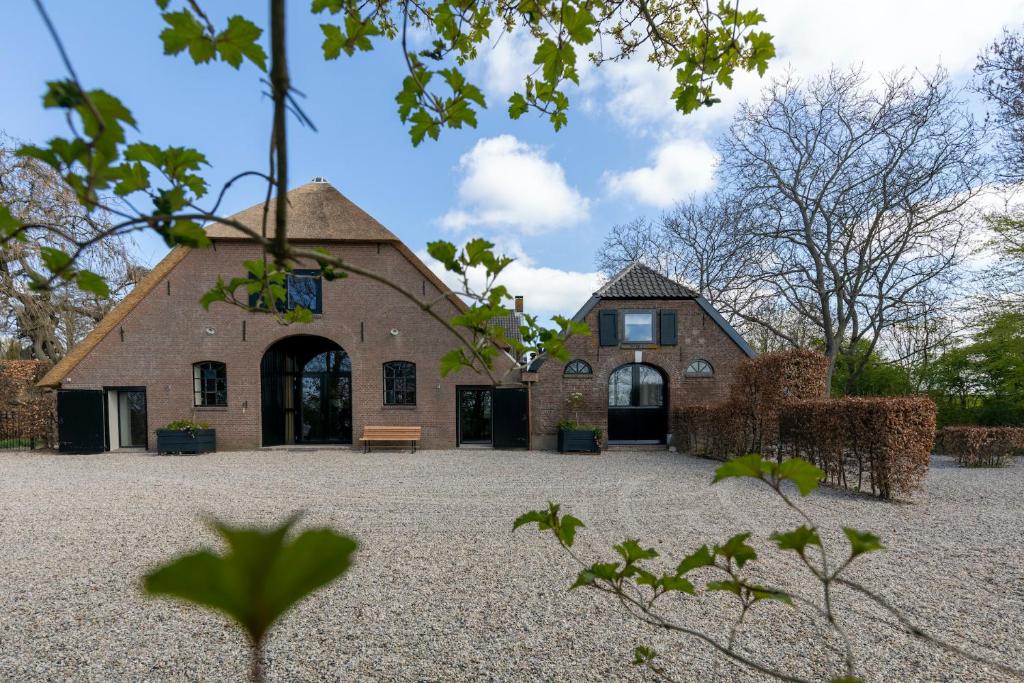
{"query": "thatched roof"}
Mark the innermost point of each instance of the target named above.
(317, 212)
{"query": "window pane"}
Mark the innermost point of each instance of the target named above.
(399, 383)
(638, 327)
(620, 385)
(303, 290)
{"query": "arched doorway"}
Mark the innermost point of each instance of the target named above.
(637, 405)
(306, 388)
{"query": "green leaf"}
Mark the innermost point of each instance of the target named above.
(802, 473)
(643, 654)
(8, 223)
(184, 32)
(563, 526)
(750, 465)
(89, 281)
(632, 552)
(239, 40)
(737, 549)
(702, 557)
(517, 105)
(260, 577)
(862, 541)
(54, 259)
(762, 593)
(798, 539)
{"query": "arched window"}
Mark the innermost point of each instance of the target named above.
(210, 383)
(399, 383)
(576, 368)
(699, 368)
(636, 386)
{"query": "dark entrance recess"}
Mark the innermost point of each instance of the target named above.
(497, 416)
(306, 388)
(81, 423)
(475, 414)
(511, 417)
(637, 405)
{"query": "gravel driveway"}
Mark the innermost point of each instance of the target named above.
(444, 591)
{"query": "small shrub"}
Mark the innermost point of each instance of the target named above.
(879, 444)
(983, 446)
(573, 426)
(186, 426)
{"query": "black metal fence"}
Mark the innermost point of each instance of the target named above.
(19, 431)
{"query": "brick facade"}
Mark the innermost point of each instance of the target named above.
(699, 337)
(168, 331)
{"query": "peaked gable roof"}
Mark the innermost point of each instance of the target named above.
(637, 281)
(316, 212)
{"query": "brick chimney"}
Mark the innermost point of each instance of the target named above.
(519, 303)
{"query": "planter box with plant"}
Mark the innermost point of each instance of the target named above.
(574, 437)
(187, 437)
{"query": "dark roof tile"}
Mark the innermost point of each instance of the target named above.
(637, 281)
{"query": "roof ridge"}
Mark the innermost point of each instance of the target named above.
(618, 276)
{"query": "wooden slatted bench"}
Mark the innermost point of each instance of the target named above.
(371, 434)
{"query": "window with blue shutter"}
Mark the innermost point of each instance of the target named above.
(608, 328)
(669, 334)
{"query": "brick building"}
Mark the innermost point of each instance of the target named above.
(655, 345)
(370, 356)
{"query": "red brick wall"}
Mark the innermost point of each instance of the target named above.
(166, 333)
(698, 337)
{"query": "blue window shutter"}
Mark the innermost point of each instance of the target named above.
(669, 334)
(608, 328)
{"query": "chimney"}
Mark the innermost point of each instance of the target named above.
(519, 303)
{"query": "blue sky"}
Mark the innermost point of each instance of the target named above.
(548, 198)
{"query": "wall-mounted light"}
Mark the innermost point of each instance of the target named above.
(394, 332)
(210, 331)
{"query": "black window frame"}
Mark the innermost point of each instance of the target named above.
(392, 393)
(650, 313)
(567, 371)
(698, 373)
(201, 392)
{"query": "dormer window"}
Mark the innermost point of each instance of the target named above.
(305, 290)
(638, 327)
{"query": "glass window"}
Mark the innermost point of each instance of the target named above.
(637, 386)
(210, 383)
(304, 289)
(399, 383)
(638, 326)
(699, 368)
(578, 367)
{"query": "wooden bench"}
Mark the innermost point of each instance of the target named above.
(410, 434)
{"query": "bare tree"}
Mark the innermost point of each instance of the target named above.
(50, 320)
(861, 197)
(1000, 78)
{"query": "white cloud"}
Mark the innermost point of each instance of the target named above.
(503, 66)
(509, 184)
(546, 291)
(679, 168)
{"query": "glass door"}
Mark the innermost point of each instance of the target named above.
(475, 415)
(131, 418)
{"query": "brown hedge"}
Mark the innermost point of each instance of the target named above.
(879, 444)
(982, 446)
(749, 420)
(25, 411)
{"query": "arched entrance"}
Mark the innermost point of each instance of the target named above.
(637, 405)
(306, 387)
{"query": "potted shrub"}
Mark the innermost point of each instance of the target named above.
(574, 437)
(186, 436)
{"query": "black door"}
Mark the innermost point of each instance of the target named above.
(475, 414)
(511, 417)
(81, 424)
(637, 405)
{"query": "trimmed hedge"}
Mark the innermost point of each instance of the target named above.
(749, 420)
(879, 444)
(982, 446)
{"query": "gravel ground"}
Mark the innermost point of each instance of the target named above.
(442, 589)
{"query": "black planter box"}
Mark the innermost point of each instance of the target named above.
(180, 441)
(577, 441)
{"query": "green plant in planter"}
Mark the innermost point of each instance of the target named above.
(260, 577)
(573, 426)
(186, 426)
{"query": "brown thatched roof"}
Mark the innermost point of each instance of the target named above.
(316, 212)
